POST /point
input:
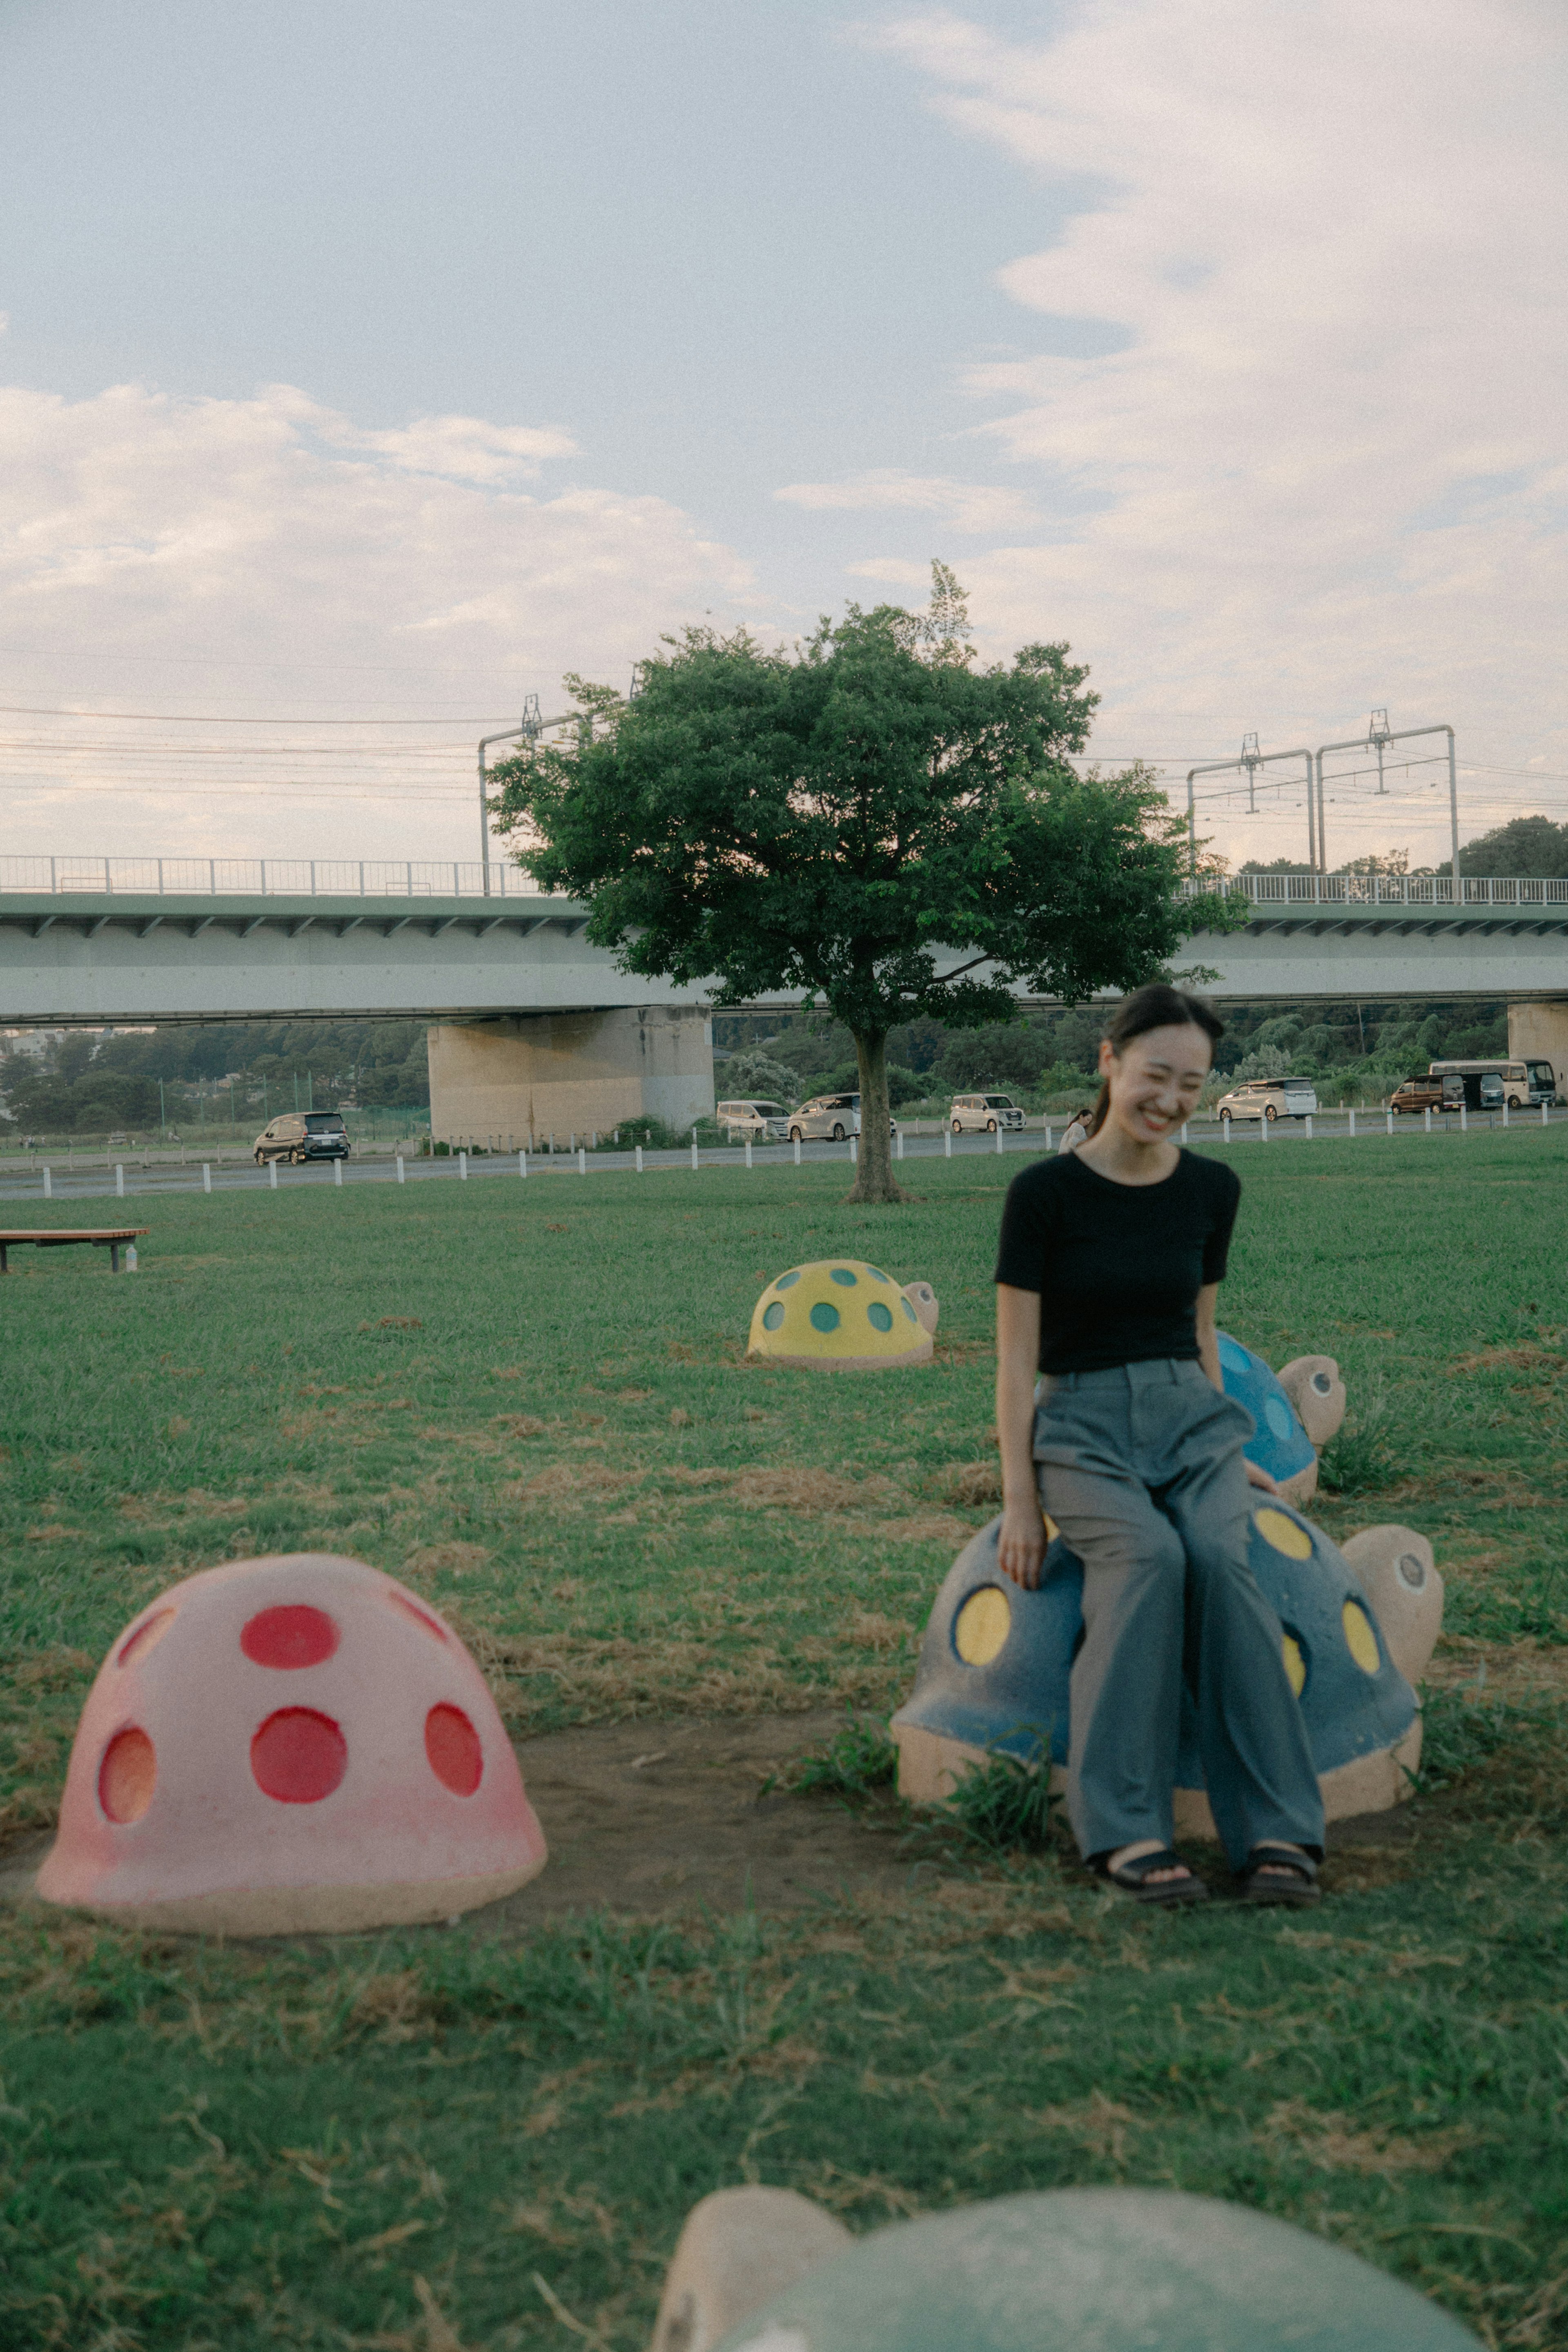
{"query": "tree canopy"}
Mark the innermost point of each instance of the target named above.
(869, 817)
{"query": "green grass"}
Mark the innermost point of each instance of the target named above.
(531, 1402)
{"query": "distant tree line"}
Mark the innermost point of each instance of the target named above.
(85, 1083)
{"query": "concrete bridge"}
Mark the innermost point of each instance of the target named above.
(533, 1029)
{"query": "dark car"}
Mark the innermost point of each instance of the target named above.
(301, 1135)
(1418, 1095)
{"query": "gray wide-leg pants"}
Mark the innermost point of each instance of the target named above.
(1141, 1468)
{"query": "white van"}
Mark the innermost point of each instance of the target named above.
(765, 1122)
(1524, 1082)
(983, 1114)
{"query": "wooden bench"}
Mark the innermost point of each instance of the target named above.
(108, 1237)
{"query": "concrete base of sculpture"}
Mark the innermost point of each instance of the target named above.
(515, 1083)
(250, 1911)
(739, 2248)
(930, 1767)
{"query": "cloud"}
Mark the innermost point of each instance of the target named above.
(965, 507)
(1327, 464)
(272, 557)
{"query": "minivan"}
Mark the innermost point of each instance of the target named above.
(1269, 1098)
(830, 1115)
(985, 1113)
(303, 1135)
(764, 1122)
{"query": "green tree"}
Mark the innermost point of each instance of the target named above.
(869, 817)
(1525, 845)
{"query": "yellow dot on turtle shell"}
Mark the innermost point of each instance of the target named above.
(1359, 1638)
(1296, 1665)
(1284, 1534)
(983, 1625)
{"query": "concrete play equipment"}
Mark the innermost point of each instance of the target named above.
(841, 1314)
(1060, 2269)
(1297, 1412)
(289, 1745)
(1358, 1627)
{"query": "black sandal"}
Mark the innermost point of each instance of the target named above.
(1132, 1879)
(1262, 1881)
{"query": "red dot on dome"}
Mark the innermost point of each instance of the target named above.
(453, 1747)
(127, 1775)
(298, 1756)
(293, 1635)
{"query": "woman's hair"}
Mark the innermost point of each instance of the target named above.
(1158, 1006)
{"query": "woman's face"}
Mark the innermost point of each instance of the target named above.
(1156, 1080)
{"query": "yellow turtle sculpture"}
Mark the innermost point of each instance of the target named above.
(841, 1314)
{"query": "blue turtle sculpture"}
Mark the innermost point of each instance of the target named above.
(994, 1662)
(1296, 1411)
(1061, 2270)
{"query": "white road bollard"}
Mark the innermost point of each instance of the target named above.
(748, 1150)
(639, 1160)
(336, 1171)
(1309, 1126)
(206, 1177)
(1183, 1128)
(119, 1182)
(1048, 1134)
(462, 1166)
(402, 1172)
(694, 1151)
(1505, 1112)
(998, 1134)
(1464, 1119)
(797, 1151)
(899, 1153)
(854, 1151)
(49, 1184)
(1427, 1119)
(581, 1160)
(1353, 1121)
(522, 1163)
(1389, 1114)
(272, 1173)
(947, 1143)
(1262, 1127)
(1544, 1120)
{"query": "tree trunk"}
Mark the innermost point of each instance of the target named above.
(874, 1176)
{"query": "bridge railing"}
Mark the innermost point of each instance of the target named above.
(1385, 889)
(264, 878)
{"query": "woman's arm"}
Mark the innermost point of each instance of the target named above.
(1208, 1356)
(1021, 1544)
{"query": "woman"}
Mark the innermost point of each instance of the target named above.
(1110, 1261)
(1076, 1131)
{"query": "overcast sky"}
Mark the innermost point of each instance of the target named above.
(383, 362)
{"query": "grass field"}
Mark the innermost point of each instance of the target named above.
(531, 1402)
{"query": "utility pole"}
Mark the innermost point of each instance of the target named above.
(529, 732)
(1252, 760)
(1377, 737)
(162, 1122)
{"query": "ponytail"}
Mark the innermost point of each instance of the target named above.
(1158, 1006)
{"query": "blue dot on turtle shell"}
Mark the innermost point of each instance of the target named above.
(841, 1273)
(785, 1280)
(1234, 1359)
(1278, 1416)
(823, 1317)
(772, 1316)
(907, 1308)
(879, 1316)
(877, 1275)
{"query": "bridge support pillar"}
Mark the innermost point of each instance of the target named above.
(565, 1073)
(1539, 1032)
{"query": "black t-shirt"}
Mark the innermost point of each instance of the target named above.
(1118, 1267)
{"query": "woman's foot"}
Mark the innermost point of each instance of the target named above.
(1280, 1872)
(1150, 1873)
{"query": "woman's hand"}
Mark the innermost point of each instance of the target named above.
(1021, 1543)
(1256, 1477)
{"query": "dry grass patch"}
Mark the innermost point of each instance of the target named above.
(447, 1560)
(570, 1483)
(972, 1484)
(1334, 2142)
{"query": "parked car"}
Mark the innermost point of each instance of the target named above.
(832, 1116)
(983, 1112)
(1269, 1098)
(1477, 1089)
(1418, 1094)
(764, 1122)
(303, 1135)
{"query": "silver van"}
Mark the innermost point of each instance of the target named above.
(983, 1114)
(303, 1135)
(764, 1122)
(830, 1117)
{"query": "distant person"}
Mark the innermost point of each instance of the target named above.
(1076, 1131)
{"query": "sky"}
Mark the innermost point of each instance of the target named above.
(369, 368)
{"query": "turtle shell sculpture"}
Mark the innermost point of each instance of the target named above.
(995, 1662)
(1297, 1412)
(1076, 2270)
(841, 1314)
(285, 1745)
